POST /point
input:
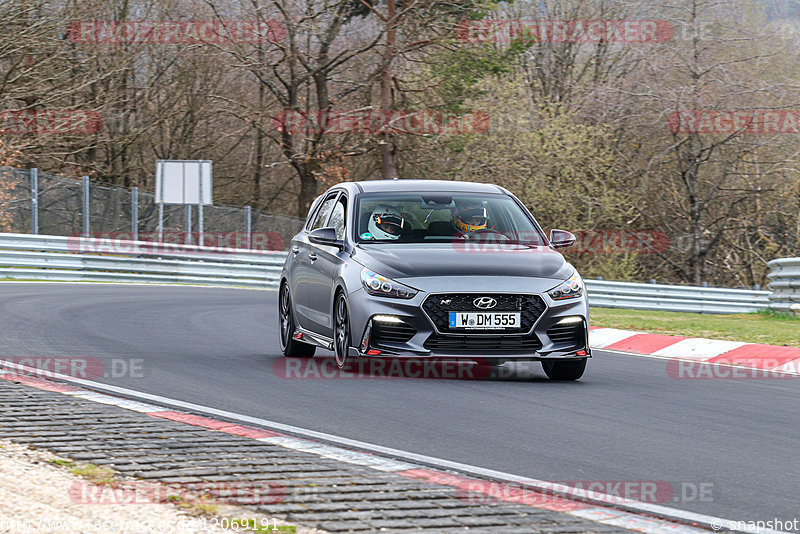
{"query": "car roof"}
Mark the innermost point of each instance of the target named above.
(409, 186)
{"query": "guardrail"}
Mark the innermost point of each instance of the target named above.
(39, 257)
(785, 285)
(607, 294)
(35, 257)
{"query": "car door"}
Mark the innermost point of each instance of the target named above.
(302, 263)
(324, 264)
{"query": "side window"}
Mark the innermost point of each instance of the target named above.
(323, 212)
(339, 217)
(312, 213)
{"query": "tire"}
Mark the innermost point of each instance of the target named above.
(341, 329)
(289, 346)
(568, 370)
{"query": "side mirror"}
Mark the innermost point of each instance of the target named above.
(561, 238)
(325, 236)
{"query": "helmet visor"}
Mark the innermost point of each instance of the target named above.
(389, 223)
(473, 216)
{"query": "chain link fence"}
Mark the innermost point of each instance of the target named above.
(15, 200)
(34, 202)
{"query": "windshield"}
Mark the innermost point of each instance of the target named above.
(443, 217)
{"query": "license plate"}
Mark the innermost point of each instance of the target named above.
(487, 320)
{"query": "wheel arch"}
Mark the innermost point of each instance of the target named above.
(339, 287)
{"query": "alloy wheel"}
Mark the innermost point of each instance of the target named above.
(341, 332)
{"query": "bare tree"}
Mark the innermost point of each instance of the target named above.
(703, 186)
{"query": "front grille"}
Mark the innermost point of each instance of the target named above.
(572, 334)
(482, 345)
(530, 306)
(391, 333)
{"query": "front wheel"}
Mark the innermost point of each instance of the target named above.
(341, 333)
(290, 346)
(568, 370)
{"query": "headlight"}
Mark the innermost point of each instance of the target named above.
(381, 286)
(569, 289)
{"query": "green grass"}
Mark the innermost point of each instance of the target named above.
(62, 463)
(199, 507)
(766, 326)
(95, 474)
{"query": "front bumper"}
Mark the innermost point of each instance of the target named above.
(412, 331)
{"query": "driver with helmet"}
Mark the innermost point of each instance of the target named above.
(385, 222)
(470, 218)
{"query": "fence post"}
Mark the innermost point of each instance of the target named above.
(200, 240)
(248, 230)
(160, 222)
(135, 214)
(86, 213)
(187, 224)
(160, 196)
(34, 174)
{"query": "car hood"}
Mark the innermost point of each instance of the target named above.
(401, 261)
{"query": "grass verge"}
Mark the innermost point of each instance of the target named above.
(99, 476)
(766, 326)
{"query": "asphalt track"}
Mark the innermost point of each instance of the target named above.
(626, 420)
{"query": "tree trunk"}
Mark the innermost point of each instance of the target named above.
(256, 196)
(308, 190)
(388, 164)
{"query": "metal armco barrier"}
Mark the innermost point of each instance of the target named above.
(608, 294)
(785, 285)
(37, 257)
(41, 257)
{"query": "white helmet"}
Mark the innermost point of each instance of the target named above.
(385, 222)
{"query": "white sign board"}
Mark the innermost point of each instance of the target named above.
(183, 182)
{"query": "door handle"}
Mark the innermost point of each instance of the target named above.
(312, 256)
(295, 250)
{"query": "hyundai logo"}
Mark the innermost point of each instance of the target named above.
(484, 303)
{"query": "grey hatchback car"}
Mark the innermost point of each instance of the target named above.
(432, 269)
